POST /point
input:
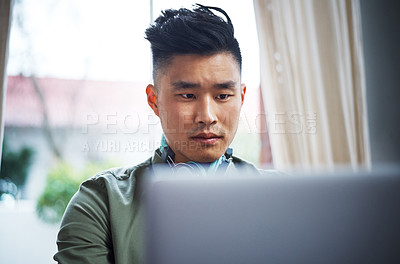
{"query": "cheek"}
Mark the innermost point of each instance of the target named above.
(176, 117)
(230, 116)
(186, 119)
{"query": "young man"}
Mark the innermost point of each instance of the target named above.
(197, 94)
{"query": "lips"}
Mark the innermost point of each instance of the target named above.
(206, 138)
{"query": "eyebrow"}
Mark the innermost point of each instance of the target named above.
(182, 85)
(225, 85)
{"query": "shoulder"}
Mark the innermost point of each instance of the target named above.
(109, 186)
(112, 187)
(241, 163)
(120, 177)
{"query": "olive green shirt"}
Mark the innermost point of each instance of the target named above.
(103, 221)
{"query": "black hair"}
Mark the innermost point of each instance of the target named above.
(198, 31)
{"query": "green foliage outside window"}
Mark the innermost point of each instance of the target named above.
(62, 183)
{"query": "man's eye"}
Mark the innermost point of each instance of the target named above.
(188, 96)
(223, 96)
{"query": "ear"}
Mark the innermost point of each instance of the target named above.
(152, 98)
(242, 91)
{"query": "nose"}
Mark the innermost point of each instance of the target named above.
(206, 112)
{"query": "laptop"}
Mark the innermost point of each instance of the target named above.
(249, 218)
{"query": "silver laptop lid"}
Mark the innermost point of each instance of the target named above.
(248, 218)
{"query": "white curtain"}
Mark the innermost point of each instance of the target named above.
(5, 21)
(312, 78)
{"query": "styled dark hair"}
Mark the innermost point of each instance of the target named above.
(198, 31)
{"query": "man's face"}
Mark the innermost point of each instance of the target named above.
(198, 99)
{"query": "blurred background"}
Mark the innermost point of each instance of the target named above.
(75, 101)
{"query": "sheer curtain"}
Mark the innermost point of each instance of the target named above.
(312, 78)
(5, 11)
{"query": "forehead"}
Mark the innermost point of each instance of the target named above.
(201, 69)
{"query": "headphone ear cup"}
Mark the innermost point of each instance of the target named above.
(168, 156)
(184, 168)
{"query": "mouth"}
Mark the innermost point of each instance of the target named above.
(206, 138)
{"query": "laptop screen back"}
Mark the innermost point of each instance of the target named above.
(344, 218)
